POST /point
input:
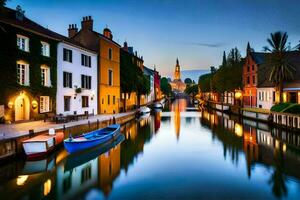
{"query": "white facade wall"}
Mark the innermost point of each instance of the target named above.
(151, 95)
(77, 70)
(265, 98)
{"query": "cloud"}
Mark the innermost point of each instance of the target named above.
(211, 45)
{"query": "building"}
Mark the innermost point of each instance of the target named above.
(258, 91)
(108, 63)
(157, 91)
(130, 60)
(76, 79)
(28, 63)
(177, 85)
(150, 73)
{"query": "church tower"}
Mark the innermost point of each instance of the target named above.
(177, 71)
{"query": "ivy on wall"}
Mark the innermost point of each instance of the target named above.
(9, 56)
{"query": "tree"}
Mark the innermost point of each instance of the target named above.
(165, 86)
(188, 81)
(224, 62)
(192, 90)
(142, 85)
(281, 67)
(2, 3)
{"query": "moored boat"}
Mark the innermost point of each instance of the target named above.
(91, 139)
(41, 145)
(158, 105)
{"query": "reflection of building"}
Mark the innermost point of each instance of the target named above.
(177, 85)
(109, 165)
(177, 107)
(157, 120)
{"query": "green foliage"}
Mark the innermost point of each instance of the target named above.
(165, 86)
(192, 90)
(10, 55)
(295, 109)
(205, 82)
(188, 81)
(279, 107)
(281, 67)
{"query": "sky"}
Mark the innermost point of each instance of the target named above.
(195, 31)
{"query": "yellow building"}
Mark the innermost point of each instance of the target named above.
(108, 63)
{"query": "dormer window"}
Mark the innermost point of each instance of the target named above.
(45, 49)
(23, 43)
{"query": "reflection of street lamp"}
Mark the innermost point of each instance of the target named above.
(238, 95)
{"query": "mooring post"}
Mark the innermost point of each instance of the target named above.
(97, 123)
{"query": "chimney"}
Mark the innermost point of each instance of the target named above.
(72, 30)
(107, 33)
(125, 47)
(130, 50)
(87, 23)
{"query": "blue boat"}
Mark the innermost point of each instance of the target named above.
(91, 139)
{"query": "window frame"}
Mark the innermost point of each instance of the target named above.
(110, 53)
(45, 52)
(67, 79)
(45, 104)
(47, 79)
(23, 73)
(26, 43)
(67, 55)
(69, 105)
(84, 101)
(110, 78)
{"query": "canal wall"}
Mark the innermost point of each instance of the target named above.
(12, 147)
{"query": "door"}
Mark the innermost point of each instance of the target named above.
(293, 97)
(20, 109)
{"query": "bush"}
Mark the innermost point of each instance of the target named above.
(295, 109)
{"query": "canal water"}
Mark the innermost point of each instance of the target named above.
(172, 154)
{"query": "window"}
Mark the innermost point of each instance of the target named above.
(110, 77)
(23, 43)
(23, 73)
(45, 104)
(253, 79)
(114, 100)
(248, 68)
(86, 81)
(262, 96)
(45, 49)
(110, 53)
(108, 99)
(67, 79)
(45, 73)
(259, 95)
(85, 60)
(253, 66)
(248, 80)
(67, 103)
(86, 173)
(85, 101)
(67, 55)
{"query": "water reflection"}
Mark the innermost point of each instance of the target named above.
(214, 155)
(261, 144)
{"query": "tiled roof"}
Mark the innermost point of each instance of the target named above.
(8, 16)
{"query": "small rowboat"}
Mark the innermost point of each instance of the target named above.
(158, 105)
(41, 145)
(91, 139)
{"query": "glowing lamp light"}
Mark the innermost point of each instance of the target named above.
(238, 130)
(34, 104)
(10, 104)
(47, 187)
(22, 179)
(238, 94)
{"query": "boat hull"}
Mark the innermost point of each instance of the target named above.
(73, 147)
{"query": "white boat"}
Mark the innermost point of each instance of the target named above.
(158, 105)
(144, 110)
(42, 144)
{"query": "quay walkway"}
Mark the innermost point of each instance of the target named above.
(16, 130)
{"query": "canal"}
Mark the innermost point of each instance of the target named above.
(172, 154)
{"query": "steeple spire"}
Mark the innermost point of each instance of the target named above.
(248, 48)
(177, 61)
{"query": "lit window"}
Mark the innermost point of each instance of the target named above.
(45, 49)
(45, 104)
(23, 43)
(45, 73)
(23, 73)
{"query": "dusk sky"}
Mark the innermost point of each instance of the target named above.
(196, 31)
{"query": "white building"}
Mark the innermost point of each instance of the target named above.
(266, 97)
(76, 79)
(149, 72)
